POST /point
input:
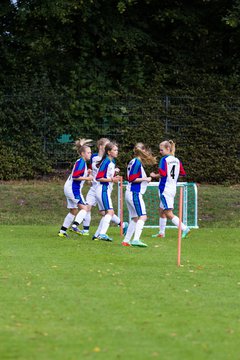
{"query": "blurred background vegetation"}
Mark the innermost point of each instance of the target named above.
(132, 70)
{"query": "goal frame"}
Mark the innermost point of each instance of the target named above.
(184, 185)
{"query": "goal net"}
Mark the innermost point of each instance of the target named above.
(151, 198)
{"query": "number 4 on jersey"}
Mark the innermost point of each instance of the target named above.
(172, 172)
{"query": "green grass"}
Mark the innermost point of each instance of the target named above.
(79, 299)
(219, 206)
(43, 202)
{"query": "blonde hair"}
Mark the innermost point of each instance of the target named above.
(81, 145)
(170, 145)
(102, 141)
(144, 154)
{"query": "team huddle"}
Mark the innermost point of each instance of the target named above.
(103, 173)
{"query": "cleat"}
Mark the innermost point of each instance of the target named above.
(185, 233)
(138, 243)
(95, 237)
(76, 230)
(104, 237)
(63, 235)
(125, 243)
(125, 227)
(159, 235)
(85, 233)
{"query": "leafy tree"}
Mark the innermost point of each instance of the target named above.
(84, 66)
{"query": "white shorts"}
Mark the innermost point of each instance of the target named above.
(72, 202)
(135, 204)
(91, 197)
(166, 201)
(103, 195)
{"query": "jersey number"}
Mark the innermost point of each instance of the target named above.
(172, 172)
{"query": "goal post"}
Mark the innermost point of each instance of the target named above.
(151, 198)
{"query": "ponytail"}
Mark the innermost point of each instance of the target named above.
(102, 141)
(172, 147)
(144, 154)
(170, 144)
(81, 145)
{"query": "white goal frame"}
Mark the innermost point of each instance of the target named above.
(186, 186)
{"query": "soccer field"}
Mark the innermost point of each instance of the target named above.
(80, 299)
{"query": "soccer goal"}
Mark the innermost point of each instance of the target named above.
(151, 198)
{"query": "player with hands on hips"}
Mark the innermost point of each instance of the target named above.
(170, 168)
(137, 185)
(73, 189)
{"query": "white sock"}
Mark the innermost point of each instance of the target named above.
(99, 228)
(105, 224)
(68, 220)
(116, 219)
(162, 225)
(87, 219)
(80, 216)
(138, 230)
(175, 221)
(130, 231)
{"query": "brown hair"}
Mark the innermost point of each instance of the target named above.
(145, 154)
(170, 145)
(81, 145)
(109, 146)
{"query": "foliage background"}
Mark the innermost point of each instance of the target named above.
(131, 70)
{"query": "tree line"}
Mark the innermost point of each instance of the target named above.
(70, 65)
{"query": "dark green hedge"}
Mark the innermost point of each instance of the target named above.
(206, 127)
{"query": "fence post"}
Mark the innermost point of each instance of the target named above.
(180, 226)
(167, 103)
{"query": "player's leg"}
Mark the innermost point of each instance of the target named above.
(90, 201)
(175, 221)
(133, 216)
(168, 202)
(86, 222)
(116, 220)
(130, 231)
(105, 225)
(105, 204)
(97, 232)
(162, 223)
(140, 209)
(73, 210)
(84, 208)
